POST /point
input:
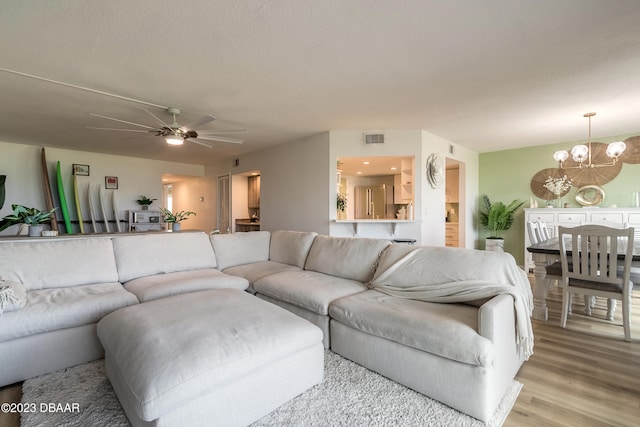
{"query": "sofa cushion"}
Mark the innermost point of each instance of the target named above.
(310, 290)
(240, 248)
(46, 264)
(149, 254)
(257, 270)
(347, 257)
(59, 308)
(291, 247)
(149, 288)
(446, 330)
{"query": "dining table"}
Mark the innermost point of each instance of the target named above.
(547, 252)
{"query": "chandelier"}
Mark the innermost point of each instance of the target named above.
(581, 154)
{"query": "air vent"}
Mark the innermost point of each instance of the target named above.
(374, 138)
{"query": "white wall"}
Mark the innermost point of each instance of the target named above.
(136, 177)
(433, 200)
(351, 144)
(294, 183)
(429, 203)
(193, 194)
(239, 199)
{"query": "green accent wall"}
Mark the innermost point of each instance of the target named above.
(506, 175)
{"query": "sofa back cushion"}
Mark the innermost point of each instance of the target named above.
(148, 254)
(59, 263)
(240, 248)
(291, 247)
(347, 257)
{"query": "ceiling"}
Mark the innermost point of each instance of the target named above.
(487, 75)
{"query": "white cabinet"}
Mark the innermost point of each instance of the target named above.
(145, 221)
(572, 217)
(403, 183)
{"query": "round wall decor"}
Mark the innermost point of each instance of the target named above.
(590, 195)
(434, 170)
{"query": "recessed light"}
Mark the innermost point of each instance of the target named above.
(359, 173)
(366, 163)
(393, 168)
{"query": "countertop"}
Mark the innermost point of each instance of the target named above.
(246, 222)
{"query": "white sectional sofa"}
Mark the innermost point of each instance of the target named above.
(463, 354)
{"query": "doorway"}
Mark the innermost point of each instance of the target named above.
(455, 206)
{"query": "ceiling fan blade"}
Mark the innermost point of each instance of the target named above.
(156, 117)
(204, 144)
(123, 130)
(214, 132)
(121, 121)
(220, 139)
(195, 125)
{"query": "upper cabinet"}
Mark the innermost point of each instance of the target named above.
(254, 192)
(403, 183)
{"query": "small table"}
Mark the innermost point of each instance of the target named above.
(546, 252)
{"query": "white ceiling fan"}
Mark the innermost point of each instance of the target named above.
(174, 134)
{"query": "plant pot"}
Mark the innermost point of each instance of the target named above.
(175, 226)
(35, 230)
(495, 245)
(145, 207)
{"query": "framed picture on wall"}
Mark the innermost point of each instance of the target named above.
(111, 182)
(80, 170)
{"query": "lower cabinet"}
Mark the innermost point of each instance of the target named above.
(451, 235)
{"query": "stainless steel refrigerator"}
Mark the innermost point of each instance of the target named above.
(374, 202)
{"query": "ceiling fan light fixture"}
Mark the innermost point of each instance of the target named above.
(174, 140)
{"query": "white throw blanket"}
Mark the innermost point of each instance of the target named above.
(446, 275)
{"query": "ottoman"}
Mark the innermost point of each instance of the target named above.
(213, 358)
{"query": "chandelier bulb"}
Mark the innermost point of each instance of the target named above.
(615, 149)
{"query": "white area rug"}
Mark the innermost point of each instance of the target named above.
(350, 395)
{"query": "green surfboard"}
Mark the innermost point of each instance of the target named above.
(63, 201)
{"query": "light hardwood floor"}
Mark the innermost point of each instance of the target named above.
(584, 375)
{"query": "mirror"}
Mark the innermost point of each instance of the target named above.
(375, 188)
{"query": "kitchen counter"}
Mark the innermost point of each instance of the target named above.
(245, 224)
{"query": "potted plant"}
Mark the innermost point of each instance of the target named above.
(31, 217)
(497, 218)
(144, 201)
(175, 218)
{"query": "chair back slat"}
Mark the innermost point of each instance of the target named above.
(543, 231)
(532, 230)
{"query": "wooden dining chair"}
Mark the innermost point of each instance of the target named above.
(532, 231)
(591, 256)
(543, 231)
(590, 301)
(553, 270)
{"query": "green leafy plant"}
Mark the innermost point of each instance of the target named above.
(145, 201)
(175, 217)
(24, 215)
(497, 217)
(341, 202)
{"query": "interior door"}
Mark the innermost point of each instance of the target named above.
(224, 204)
